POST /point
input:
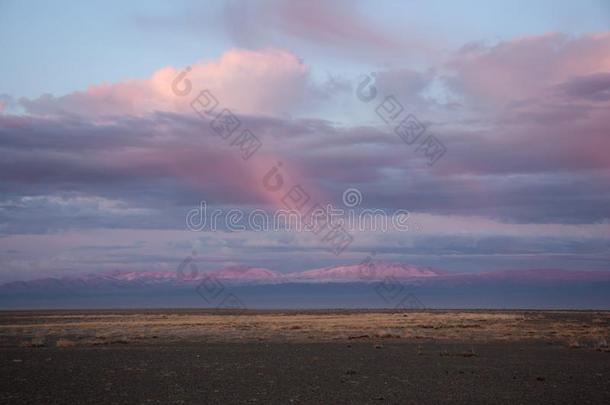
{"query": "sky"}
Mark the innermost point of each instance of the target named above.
(103, 155)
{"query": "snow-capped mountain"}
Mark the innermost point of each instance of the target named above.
(354, 285)
(363, 272)
(371, 271)
(245, 273)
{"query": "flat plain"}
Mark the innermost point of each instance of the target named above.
(326, 356)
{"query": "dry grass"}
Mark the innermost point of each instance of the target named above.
(62, 342)
(386, 334)
(475, 326)
(574, 344)
(36, 341)
(469, 353)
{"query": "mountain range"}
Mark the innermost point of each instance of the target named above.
(336, 286)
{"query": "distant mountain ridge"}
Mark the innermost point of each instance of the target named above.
(363, 272)
(377, 284)
(374, 270)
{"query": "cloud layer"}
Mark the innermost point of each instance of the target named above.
(526, 173)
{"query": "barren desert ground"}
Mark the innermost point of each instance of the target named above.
(206, 356)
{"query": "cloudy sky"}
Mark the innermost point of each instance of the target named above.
(107, 143)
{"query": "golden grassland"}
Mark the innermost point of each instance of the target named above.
(65, 329)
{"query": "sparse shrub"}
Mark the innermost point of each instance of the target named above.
(445, 352)
(359, 337)
(36, 341)
(574, 344)
(469, 354)
(98, 342)
(387, 335)
(62, 342)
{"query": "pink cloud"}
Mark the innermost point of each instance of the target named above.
(323, 21)
(335, 25)
(526, 67)
(265, 82)
(549, 97)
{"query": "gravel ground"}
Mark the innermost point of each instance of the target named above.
(349, 372)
